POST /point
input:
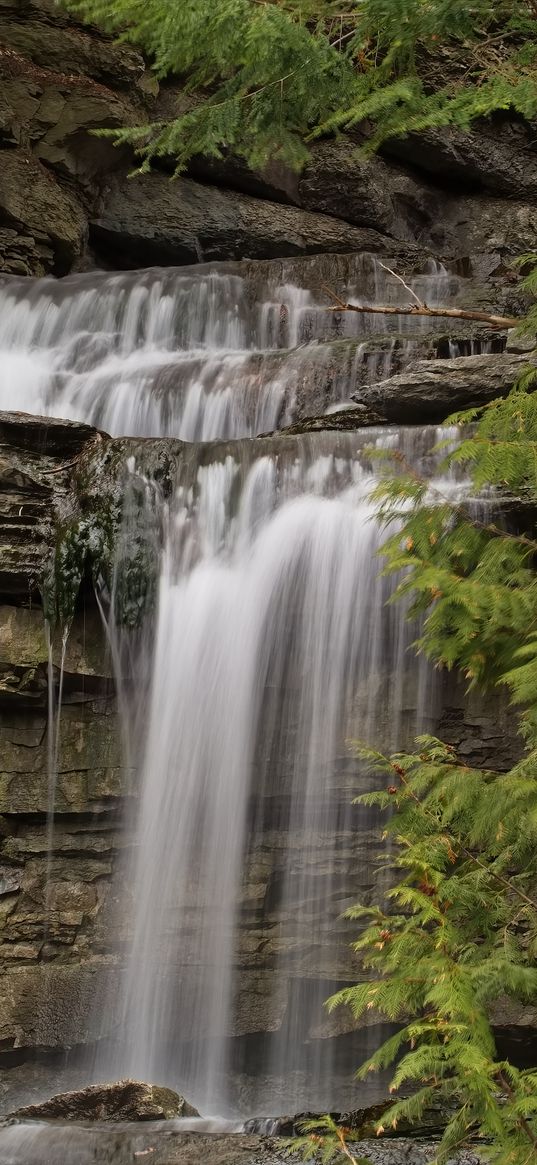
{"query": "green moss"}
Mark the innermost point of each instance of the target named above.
(85, 543)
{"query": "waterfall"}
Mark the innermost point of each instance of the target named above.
(271, 644)
(200, 353)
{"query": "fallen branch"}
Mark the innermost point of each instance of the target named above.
(451, 313)
(406, 286)
(419, 308)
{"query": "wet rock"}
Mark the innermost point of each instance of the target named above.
(362, 1122)
(48, 1145)
(497, 156)
(150, 220)
(34, 204)
(126, 1100)
(430, 390)
(43, 33)
(341, 420)
(36, 466)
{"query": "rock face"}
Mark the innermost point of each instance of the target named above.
(197, 223)
(50, 221)
(431, 389)
(499, 158)
(66, 198)
(128, 1100)
(36, 461)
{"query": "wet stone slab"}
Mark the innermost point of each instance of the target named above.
(42, 1144)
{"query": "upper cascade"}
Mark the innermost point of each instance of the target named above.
(227, 351)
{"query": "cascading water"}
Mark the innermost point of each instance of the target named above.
(270, 646)
(192, 353)
(273, 646)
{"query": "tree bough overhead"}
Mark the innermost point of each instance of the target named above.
(266, 78)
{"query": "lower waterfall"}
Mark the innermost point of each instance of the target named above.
(271, 645)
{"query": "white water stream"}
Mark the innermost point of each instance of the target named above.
(197, 354)
(271, 646)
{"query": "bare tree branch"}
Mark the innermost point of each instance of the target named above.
(400, 279)
(452, 313)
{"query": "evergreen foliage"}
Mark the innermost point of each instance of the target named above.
(459, 930)
(267, 76)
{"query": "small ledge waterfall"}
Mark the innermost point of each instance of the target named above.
(194, 353)
(270, 647)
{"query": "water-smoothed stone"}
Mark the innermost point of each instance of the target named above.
(126, 1100)
(432, 389)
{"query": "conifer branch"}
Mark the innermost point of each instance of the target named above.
(462, 848)
(462, 509)
(521, 1120)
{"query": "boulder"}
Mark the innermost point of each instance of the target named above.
(430, 390)
(128, 1100)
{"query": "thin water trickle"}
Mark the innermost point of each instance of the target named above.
(54, 710)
